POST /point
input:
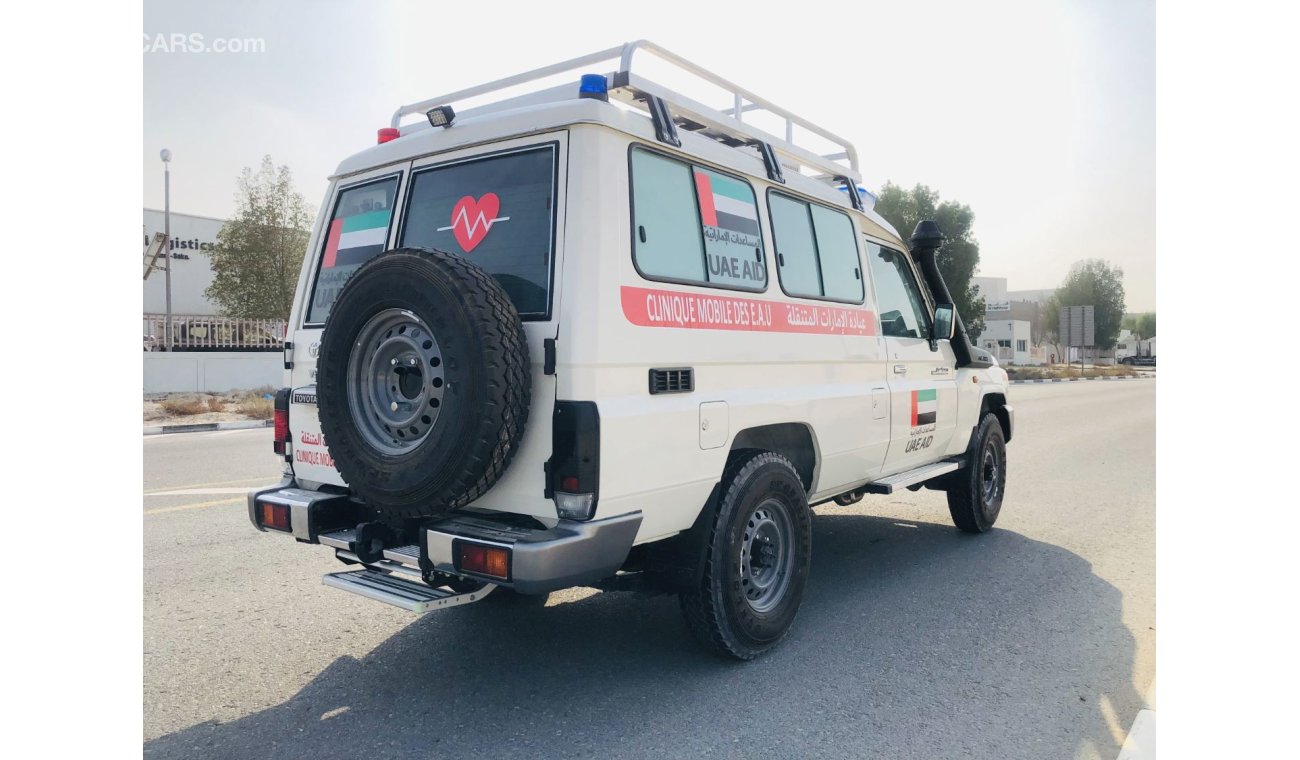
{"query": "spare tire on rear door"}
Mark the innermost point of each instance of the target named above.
(422, 382)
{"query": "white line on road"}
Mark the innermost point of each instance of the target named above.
(200, 505)
(198, 492)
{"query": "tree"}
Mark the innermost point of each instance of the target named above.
(1096, 283)
(960, 255)
(1144, 325)
(259, 252)
(1049, 327)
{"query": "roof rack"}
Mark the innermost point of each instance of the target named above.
(670, 110)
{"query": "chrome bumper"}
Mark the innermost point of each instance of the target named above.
(570, 554)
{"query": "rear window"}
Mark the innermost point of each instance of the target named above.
(498, 212)
(358, 231)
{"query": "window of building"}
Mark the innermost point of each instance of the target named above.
(357, 232)
(1022, 345)
(816, 250)
(498, 211)
(1004, 342)
(903, 313)
(694, 225)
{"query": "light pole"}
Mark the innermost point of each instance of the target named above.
(166, 156)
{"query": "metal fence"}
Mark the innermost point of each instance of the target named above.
(206, 333)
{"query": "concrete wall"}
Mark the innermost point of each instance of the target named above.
(215, 372)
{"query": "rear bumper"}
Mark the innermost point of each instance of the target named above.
(541, 560)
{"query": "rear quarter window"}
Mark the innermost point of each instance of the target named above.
(694, 225)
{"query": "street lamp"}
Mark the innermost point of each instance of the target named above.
(166, 156)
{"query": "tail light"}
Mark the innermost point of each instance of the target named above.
(274, 515)
(480, 559)
(574, 469)
(281, 438)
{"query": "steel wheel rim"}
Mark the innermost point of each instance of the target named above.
(395, 381)
(989, 472)
(766, 555)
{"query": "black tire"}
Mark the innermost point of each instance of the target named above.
(720, 612)
(476, 388)
(976, 491)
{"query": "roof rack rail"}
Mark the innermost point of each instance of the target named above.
(726, 126)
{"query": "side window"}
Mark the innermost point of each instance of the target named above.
(838, 253)
(692, 224)
(796, 252)
(357, 232)
(903, 313)
(499, 212)
(816, 250)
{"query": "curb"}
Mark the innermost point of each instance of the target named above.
(1077, 379)
(203, 427)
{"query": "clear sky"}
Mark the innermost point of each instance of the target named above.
(1039, 114)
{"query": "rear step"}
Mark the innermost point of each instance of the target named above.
(414, 596)
(912, 477)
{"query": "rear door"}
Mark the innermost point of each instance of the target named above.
(502, 207)
(359, 224)
(922, 381)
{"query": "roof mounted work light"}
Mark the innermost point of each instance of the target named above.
(442, 116)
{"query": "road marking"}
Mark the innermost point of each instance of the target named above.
(1141, 741)
(269, 480)
(200, 505)
(200, 491)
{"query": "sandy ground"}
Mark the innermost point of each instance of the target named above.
(156, 414)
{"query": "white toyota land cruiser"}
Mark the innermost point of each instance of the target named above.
(603, 332)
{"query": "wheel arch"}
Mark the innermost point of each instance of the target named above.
(793, 440)
(996, 402)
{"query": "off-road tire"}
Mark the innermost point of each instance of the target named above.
(486, 391)
(717, 612)
(969, 502)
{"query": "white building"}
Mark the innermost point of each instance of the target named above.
(193, 238)
(994, 292)
(1009, 341)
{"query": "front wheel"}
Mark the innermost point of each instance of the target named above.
(757, 559)
(976, 491)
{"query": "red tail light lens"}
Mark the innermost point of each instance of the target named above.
(493, 561)
(274, 516)
(281, 419)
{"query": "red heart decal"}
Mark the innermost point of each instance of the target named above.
(471, 220)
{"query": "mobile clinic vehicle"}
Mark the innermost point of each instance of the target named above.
(604, 330)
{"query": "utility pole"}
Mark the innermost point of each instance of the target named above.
(167, 252)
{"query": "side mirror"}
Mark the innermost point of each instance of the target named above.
(945, 324)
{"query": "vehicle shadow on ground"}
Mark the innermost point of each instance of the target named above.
(914, 641)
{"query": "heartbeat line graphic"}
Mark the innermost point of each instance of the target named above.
(471, 228)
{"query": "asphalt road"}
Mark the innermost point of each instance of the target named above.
(1036, 640)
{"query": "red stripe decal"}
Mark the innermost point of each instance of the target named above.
(704, 311)
(332, 243)
(704, 188)
(913, 408)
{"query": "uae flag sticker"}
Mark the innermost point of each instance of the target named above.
(354, 240)
(925, 407)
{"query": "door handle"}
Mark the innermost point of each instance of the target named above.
(900, 369)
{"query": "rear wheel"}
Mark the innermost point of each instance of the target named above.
(976, 491)
(756, 561)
